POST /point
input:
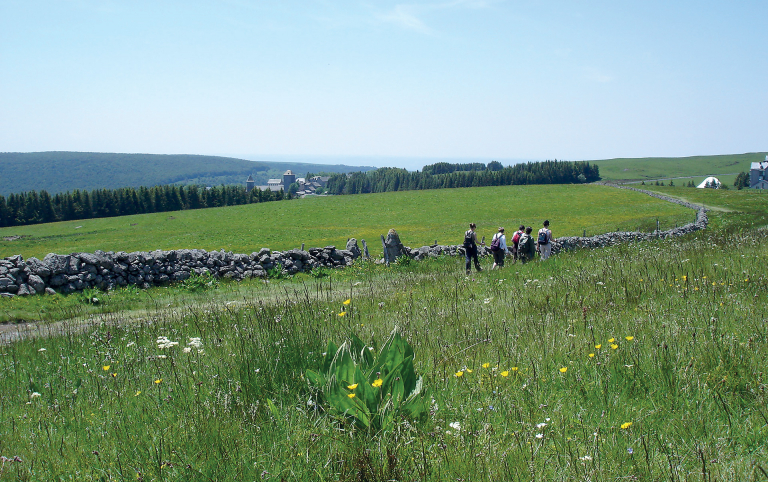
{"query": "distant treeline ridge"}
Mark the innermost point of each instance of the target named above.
(444, 175)
(33, 207)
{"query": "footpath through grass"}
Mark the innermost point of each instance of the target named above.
(421, 217)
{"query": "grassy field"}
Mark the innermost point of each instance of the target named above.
(421, 217)
(672, 167)
(638, 362)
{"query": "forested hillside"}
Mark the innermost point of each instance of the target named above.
(58, 172)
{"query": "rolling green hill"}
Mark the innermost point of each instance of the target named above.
(66, 171)
(421, 217)
(673, 167)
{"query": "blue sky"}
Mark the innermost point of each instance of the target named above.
(481, 79)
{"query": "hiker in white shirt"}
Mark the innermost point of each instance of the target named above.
(498, 249)
(544, 241)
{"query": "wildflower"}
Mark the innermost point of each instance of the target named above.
(486, 365)
(611, 340)
(539, 435)
(468, 370)
(585, 458)
(158, 381)
(629, 338)
(597, 347)
(195, 342)
(138, 392)
(377, 383)
(541, 425)
(514, 369)
(626, 425)
(114, 375)
(505, 373)
(343, 313)
(130, 344)
(187, 349)
(455, 425)
(105, 368)
(42, 349)
(352, 387)
(351, 395)
(614, 346)
(591, 355)
(459, 374)
(163, 342)
(487, 300)
(564, 369)
(630, 450)
(34, 395)
(347, 302)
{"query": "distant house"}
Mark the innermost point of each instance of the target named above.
(249, 184)
(276, 184)
(758, 179)
(712, 182)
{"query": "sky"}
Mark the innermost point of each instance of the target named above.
(388, 82)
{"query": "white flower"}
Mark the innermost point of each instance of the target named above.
(455, 425)
(34, 395)
(539, 435)
(310, 403)
(42, 349)
(195, 343)
(130, 344)
(487, 300)
(586, 458)
(541, 425)
(163, 342)
(161, 356)
(187, 349)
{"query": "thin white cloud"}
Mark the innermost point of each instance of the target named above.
(409, 16)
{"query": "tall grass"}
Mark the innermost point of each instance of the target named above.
(679, 394)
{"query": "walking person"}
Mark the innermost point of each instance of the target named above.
(498, 249)
(470, 248)
(544, 241)
(526, 248)
(516, 240)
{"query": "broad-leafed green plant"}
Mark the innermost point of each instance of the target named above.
(371, 389)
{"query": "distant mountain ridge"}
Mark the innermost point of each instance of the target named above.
(61, 171)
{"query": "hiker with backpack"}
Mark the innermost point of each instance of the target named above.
(544, 241)
(498, 249)
(526, 248)
(516, 241)
(470, 248)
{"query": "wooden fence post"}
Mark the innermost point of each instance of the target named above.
(365, 249)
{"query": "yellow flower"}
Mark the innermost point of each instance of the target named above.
(138, 392)
(377, 382)
(514, 369)
(598, 346)
(614, 346)
(629, 338)
(505, 373)
(158, 380)
(459, 374)
(564, 369)
(347, 302)
(105, 368)
(626, 425)
(351, 395)
(114, 375)
(591, 355)
(352, 387)
(486, 365)
(469, 371)
(611, 340)
(343, 313)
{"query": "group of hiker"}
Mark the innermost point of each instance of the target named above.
(523, 246)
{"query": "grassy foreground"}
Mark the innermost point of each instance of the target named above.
(636, 362)
(421, 217)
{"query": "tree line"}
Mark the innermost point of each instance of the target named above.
(444, 175)
(40, 207)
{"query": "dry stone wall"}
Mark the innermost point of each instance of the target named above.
(108, 270)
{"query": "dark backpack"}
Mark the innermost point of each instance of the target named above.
(468, 240)
(496, 243)
(543, 238)
(523, 245)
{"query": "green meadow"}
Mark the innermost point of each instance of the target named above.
(673, 167)
(421, 217)
(643, 361)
